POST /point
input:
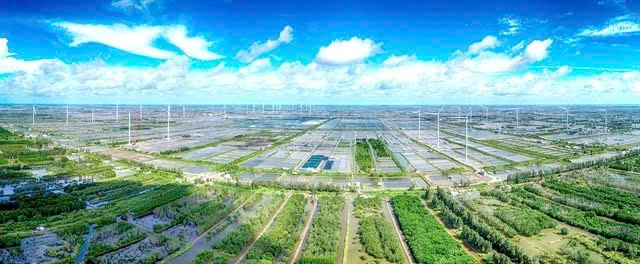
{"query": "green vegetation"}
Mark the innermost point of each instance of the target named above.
(278, 241)
(379, 147)
(527, 222)
(376, 233)
(576, 217)
(125, 233)
(628, 164)
(428, 240)
(601, 200)
(363, 156)
(499, 242)
(237, 239)
(322, 242)
(37, 206)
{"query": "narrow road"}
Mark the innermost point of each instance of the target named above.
(405, 247)
(244, 252)
(198, 244)
(344, 230)
(85, 246)
(304, 233)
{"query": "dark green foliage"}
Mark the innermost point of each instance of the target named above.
(497, 258)
(564, 231)
(363, 155)
(379, 147)
(322, 241)
(601, 200)
(475, 240)
(379, 240)
(527, 222)
(316, 260)
(281, 236)
(499, 242)
(428, 240)
(578, 218)
(39, 205)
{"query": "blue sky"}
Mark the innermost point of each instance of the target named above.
(323, 52)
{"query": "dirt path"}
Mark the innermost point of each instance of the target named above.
(305, 232)
(344, 230)
(244, 252)
(198, 240)
(394, 221)
(452, 234)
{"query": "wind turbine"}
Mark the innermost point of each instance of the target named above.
(91, 115)
(567, 121)
(438, 123)
(117, 118)
(33, 116)
(67, 114)
(168, 119)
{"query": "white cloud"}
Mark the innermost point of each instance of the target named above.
(518, 47)
(258, 48)
(617, 26)
(401, 76)
(513, 25)
(537, 50)
(478, 59)
(342, 52)
(489, 42)
(8, 64)
(131, 4)
(194, 47)
(139, 39)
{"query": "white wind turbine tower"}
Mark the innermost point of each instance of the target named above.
(466, 136)
(438, 124)
(168, 119)
(140, 113)
(567, 120)
(117, 118)
(33, 115)
(183, 112)
(91, 115)
(67, 114)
